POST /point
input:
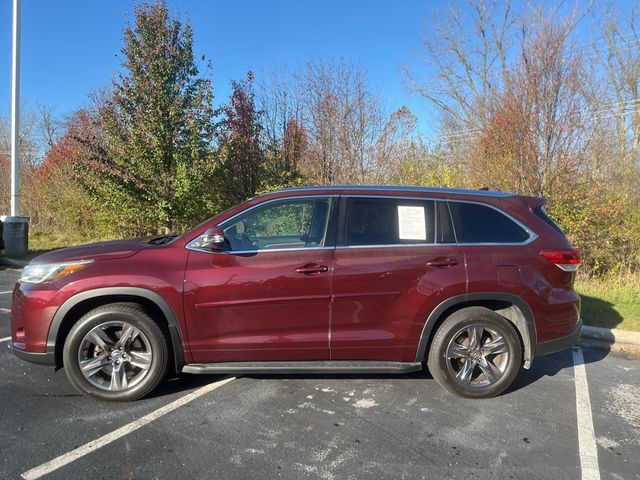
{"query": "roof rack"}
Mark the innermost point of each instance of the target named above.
(396, 188)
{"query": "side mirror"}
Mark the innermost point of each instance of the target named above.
(211, 239)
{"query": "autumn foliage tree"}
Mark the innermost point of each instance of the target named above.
(65, 207)
(294, 144)
(524, 108)
(241, 154)
(159, 122)
(338, 128)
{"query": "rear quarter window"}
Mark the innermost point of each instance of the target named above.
(475, 223)
(540, 213)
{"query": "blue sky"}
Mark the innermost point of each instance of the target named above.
(71, 47)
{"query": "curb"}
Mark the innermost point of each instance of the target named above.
(612, 339)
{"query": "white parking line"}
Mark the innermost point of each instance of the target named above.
(5, 310)
(5, 339)
(6, 292)
(586, 435)
(87, 448)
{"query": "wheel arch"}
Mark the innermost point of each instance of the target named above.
(510, 306)
(76, 306)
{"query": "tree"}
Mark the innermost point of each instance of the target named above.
(291, 153)
(466, 54)
(524, 109)
(536, 140)
(159, 122)
(283, 135)
(30, 157)
(61, 205)
(510, 88)
(350, 137)
(241, 171)
(614, 98)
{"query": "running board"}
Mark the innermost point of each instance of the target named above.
(320, 366)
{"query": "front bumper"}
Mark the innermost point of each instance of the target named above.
(559, 344)
(32, 310)
(38, 358)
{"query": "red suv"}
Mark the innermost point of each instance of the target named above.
(315, 279)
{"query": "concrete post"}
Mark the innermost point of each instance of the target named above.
(15, 235)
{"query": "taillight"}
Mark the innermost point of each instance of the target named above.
(568, 260)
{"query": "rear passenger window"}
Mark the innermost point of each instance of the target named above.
(379, 221)
(476, 223)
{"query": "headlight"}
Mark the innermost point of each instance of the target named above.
(48, 272)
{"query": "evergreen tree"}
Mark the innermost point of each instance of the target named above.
(159, 122)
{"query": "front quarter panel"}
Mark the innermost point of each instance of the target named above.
(38, 308)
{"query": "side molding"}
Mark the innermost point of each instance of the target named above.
(521, 317)
(65, 308)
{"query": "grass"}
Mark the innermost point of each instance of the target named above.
(42, 242)
(46, 241)
(611, 303)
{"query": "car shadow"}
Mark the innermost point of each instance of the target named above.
(419, 374)
(181, 382)
(186, 381)
(551, 365)
(547, 366)
(599, 313)
(8, 264)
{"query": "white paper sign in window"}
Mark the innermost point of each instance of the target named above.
(411, 223)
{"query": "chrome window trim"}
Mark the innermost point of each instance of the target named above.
(261, 204)
(532, 235)
(401, 245)
(264, 250)
(404, 245)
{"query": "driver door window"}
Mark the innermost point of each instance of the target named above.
(299, 223)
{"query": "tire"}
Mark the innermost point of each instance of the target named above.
(475, 353)
(101, 363)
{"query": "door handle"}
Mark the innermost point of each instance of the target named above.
(312, 268)
(441, 262)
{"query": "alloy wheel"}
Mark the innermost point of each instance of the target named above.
(477, 356)
(115, 356)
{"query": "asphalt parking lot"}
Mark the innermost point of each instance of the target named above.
(325, 427)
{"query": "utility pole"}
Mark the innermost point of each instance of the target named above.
(15, 112)
(15, 228)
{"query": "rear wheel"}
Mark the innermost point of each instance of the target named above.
(116, 352)
(475, 353)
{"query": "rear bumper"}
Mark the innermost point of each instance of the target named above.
(559, 344)
(38, 358)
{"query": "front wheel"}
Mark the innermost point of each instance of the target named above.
(116, 352)
(475, 353)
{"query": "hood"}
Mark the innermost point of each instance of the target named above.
(94, 251)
